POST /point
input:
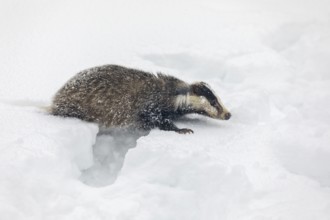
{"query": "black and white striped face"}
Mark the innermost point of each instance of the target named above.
(202, 100)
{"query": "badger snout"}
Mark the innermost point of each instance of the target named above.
(225, 115)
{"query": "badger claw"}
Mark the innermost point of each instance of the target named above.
(185, 131)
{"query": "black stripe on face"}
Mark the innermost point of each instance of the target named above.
(202, 89)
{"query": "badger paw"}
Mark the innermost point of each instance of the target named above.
(185, 131)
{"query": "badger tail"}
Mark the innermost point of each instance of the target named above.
(40, 105)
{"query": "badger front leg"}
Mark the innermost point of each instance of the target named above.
(168, 125)
(153, 117)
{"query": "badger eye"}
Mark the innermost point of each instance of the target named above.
(213, 102)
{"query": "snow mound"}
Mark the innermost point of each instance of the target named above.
(40, 155)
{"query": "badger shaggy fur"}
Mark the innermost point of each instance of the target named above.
(118, 97)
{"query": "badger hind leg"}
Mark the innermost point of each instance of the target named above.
(168, 125)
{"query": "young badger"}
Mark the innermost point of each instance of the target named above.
(118, 97)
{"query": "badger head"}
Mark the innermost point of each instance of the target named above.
(202, 100)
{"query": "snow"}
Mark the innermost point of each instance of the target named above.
(268, 62)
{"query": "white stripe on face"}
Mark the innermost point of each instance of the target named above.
(200, 103)
(224, 109)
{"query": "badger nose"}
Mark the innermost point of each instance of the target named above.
(227, 116)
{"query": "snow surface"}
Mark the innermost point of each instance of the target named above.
(268, 61)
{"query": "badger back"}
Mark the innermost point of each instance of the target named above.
(109, 95)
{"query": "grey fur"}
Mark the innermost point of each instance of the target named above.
(116, 96)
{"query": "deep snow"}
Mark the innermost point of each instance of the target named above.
(268, 61)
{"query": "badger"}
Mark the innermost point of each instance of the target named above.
(114, 96)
